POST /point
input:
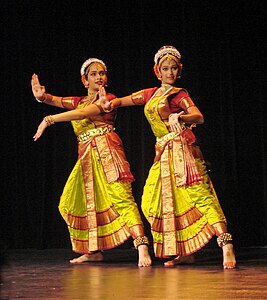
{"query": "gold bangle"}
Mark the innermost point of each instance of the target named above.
(141, 240)
(42, 100)
(46, 97)
(49, 120)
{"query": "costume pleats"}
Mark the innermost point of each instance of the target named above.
(181, 215)
(102, 218)
(182, 223)
(97, 202)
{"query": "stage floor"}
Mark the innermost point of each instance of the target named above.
(46, 274)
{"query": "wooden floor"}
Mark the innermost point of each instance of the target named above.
(46, 274)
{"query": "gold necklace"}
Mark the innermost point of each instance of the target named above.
(90, 97)
(165, 86)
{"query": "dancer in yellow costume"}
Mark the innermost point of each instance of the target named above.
(178, 198)
(97, 202)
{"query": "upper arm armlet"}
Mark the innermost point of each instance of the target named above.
(186, 102)
(70, 102)
(138, 98)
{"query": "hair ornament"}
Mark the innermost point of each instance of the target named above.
(88, 62)
(165, 50)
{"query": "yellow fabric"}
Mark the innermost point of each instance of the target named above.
(100, 213)
(153, 117)
(181, 217)
(81, 126)
(195, 206)
(115, 208)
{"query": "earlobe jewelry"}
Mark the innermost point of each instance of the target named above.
(180, 70)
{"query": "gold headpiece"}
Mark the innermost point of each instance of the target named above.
(88, 62)
(167, 50)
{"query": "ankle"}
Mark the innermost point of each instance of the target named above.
(224, 239)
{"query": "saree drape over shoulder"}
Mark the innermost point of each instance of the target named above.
(97, 202)
(178, 198)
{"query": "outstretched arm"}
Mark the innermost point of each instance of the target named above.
(77, 114)
(41, 96)
(114, 103)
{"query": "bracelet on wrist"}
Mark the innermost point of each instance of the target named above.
(40, 101)
(45, 98)
(49, 120)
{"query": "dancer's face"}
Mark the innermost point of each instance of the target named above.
(169, 71)
(96, 76)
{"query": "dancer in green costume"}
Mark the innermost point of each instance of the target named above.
(97, 202)
(178, 200)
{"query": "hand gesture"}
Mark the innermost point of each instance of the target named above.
(105, 104)
(37, 89)
(40, 130)
(174, 123)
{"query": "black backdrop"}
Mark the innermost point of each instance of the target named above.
(222, 46)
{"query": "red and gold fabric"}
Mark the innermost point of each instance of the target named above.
(97, 202)
(178, 198)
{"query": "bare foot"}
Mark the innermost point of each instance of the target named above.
(94, 257)
(144, 257)
(180, 260)
(229, 261)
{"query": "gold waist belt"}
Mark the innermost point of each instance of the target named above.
(164, 139)
(94, 132)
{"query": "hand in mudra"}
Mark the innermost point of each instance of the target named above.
(37, 89)
(174, 123)
(41, 128)
(103, 98)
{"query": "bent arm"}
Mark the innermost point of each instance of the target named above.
(41, 96)
(192, 115)
(53, 101)
(182, 101)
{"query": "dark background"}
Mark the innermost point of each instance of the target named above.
(224, 66)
